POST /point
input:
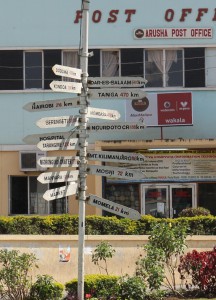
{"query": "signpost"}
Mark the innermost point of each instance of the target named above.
(117, 93)
(61, 144)
(58, 161)
(104, 82)
(67, 71)
(113, 207)
(114, 172)
(54, 122)
(120, 157)
(117, 126)
(62, 176)
(100, 113)
(52, 104)
(36, 138)
(61, 192)
(66, 86)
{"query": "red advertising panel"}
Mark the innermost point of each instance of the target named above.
(174, 109)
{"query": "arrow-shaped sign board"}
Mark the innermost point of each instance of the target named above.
(58, 161)
(113, 207)
(117, 126)
(61, 192)
(66, 86)
(55, 122)
(67, 71)
(36, 138)
(120, 157)
(101, 113)
(106, 82)
(62, 176)
(117, 93)
(115, 172)
(70, 144)
(52, 104)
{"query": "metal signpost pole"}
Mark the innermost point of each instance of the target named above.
(83, 146)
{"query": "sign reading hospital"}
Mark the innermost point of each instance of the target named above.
(173, 33)
(168, 109)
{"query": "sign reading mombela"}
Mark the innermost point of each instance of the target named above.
(62, 176)
(113, 207)
(61, 192)
(120, 157)
(52, 104)
(117, 93)
(58, 161)
(114, 172)
(69, 144)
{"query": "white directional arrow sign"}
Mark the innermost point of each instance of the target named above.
(115, 172)
(100, 113)
(104, 82)
(117, 93)
(62, 176)
(66, 86)
(113, 207)
(120, 157)
(69, 144)
(55, 122)
(36, 138)
(58, 161)
(67, 71)
(52, 104)
(117, 126)
(61, 192)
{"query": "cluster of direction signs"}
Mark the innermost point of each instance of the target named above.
(108, 87)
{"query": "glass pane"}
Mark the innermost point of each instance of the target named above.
(37, 204)
(33, 70)
(175, 72)
(19, 195)
(206, 196)
(181, 199)
(154, 68)
(110, 63)
(156, 202)
(70, 59)
(51, 57)
(58, 206)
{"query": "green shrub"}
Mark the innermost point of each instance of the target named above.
(193, 212)
(15, 280)
(96, 285)
(45, 288)
(132, 288)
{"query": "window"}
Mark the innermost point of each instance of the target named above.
(51, 57)
(132, 62)
(164, 68)
(70, 59)
(11, 70)
(210, 69)
(194, 59)
(26, 197)
(110, 63)
(33, 69)
(94, 63)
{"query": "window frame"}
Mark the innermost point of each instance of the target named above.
(101, 61)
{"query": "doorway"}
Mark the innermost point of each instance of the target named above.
(167, 200)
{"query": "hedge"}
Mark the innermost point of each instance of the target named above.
(97, 225)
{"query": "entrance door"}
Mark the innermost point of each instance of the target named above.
(181, 196)
(167, 200)
(155, 200)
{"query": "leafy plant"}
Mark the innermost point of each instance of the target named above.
(15, 280)
(132, 288)
(193, 212)
(200, 267)
(102, 252)
(166, 244)
(45, 288)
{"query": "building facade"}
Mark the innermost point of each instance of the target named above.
(173, 47)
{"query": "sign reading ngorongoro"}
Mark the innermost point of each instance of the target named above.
(58, 161)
